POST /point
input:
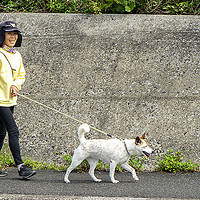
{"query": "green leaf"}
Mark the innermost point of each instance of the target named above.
(128, 9)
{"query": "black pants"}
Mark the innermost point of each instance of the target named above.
(7, 124)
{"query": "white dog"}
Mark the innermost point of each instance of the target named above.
(112, 151)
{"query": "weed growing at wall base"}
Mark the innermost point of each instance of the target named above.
(6, 160)
(173, 162)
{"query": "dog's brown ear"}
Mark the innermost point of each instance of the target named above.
(138, 141)
(143, 136)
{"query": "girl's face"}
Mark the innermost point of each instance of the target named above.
(10, 38)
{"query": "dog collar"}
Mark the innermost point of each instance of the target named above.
(126, 148)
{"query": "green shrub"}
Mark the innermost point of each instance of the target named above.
(117, 6)
(183, 7)
(23, 6)
(173, 162)
(103, 6)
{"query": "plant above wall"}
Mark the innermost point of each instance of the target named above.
(190, 7)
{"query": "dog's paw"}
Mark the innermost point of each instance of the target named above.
(66, 181)
(136, 178)
(115, 181)
(97, 180)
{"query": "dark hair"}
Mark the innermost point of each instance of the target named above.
(9, 26)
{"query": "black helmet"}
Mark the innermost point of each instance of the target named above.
(9, 26)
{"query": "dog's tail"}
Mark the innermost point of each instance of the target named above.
(84, 128)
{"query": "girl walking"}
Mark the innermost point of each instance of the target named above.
(12, 76)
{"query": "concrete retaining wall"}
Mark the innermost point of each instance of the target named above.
(123, 74)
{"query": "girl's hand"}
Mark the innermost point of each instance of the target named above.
(14, 91)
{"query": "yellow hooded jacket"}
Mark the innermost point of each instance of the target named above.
(9, 77)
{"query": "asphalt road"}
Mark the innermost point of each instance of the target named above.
(50, 184)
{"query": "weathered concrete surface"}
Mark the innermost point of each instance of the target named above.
(123, 74)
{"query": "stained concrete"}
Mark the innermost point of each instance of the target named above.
(123, 74)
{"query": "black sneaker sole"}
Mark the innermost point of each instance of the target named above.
(30, 175)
